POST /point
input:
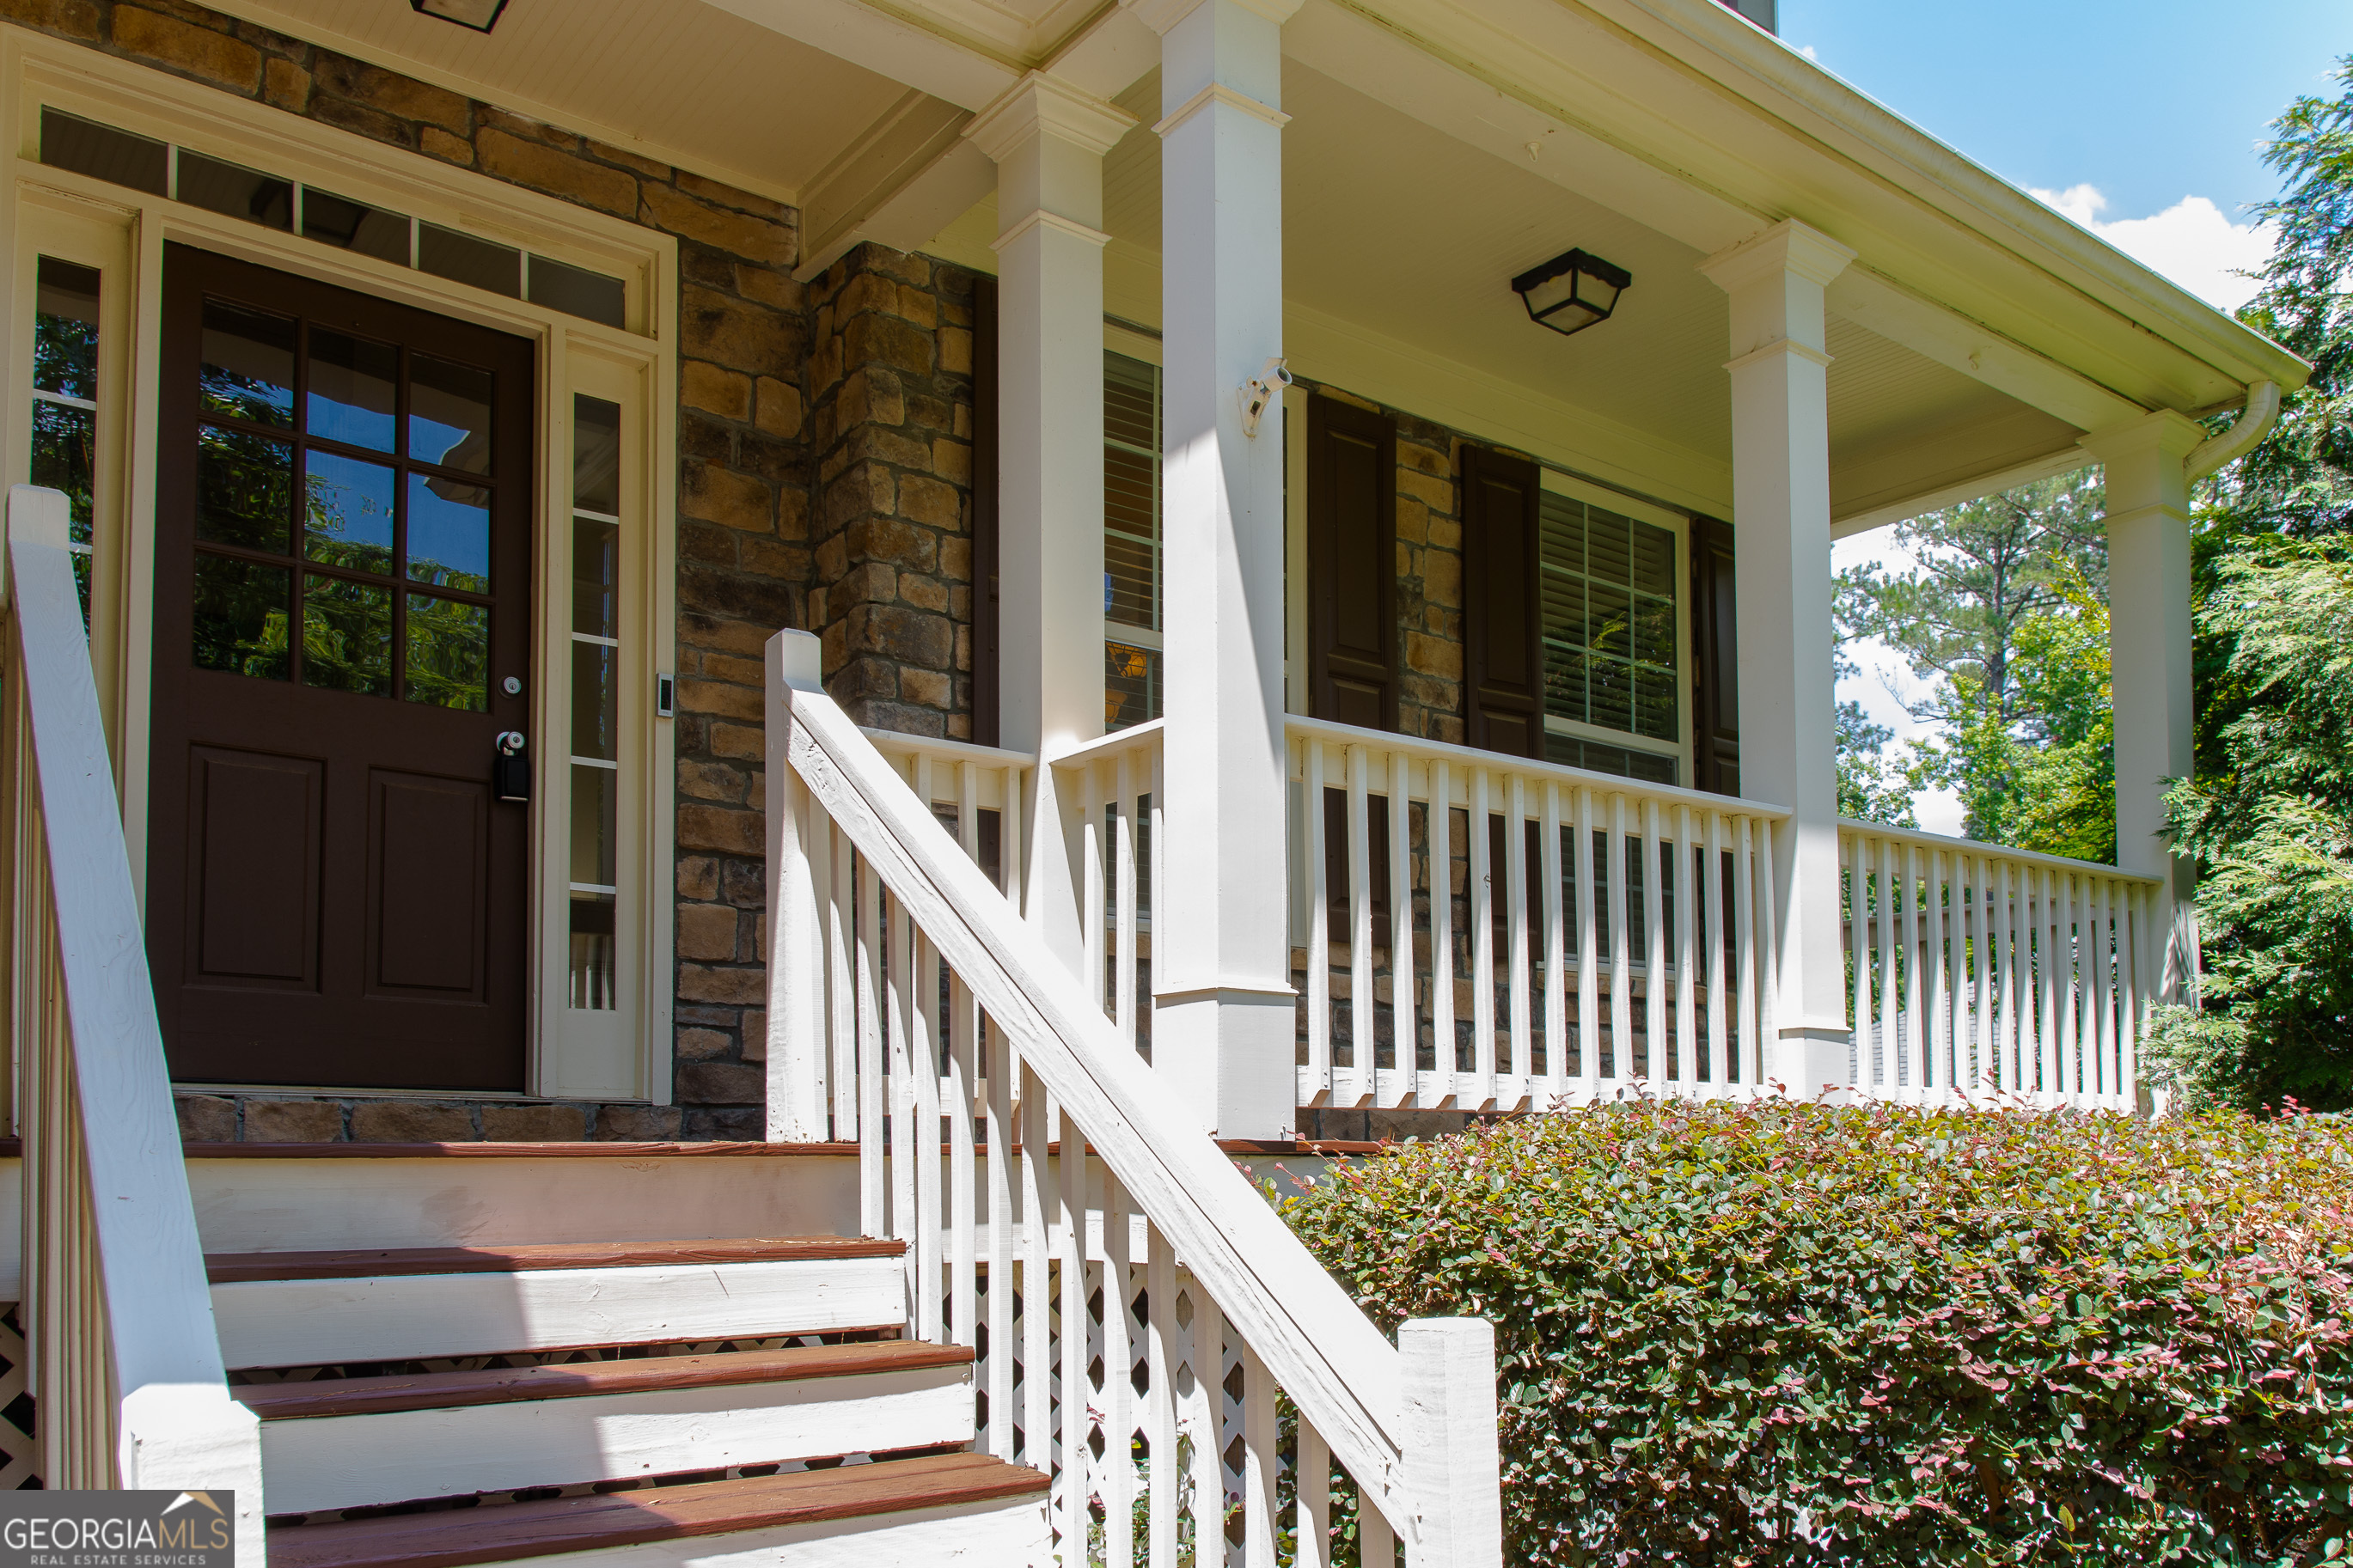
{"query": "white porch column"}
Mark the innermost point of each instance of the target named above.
(1223, 1019)
(1047, 140)
(1781, 511)
(2149, 656)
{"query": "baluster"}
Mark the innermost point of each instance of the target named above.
(841, 920)
(923, 1058)
(1887, 1069)
(1441, 925)
(1481, 905)
(1718, 1057)
(1744, 929)
(1939, 1032)
(1078, 1458)
(1588, 952)
(1517, 959)
(1363, 1059)
(2131, 942)
(1769, 951)
(2072, 1048)
(1118, 1485)
(1205, 1414)
(1555, 952)
(1686, 954)
(1315, 1488)
(1621, 964)
(964, 1089)
(1319, 944)
(1124, 982)
(1260, 1463)
(1160, 1417)
(2103, 988)
(2001, 971)
(1011, 816)
(1405, 1031)
(1002, 1283)
(1654, 951)
(1159, 880)
(871, 1083)
(1858, 952)
(1377, 1540)
(1095, 819)
(1037, 1271)
(899, 1026)
(1916, 974)
(2046, 964)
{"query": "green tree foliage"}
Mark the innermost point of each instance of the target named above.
(2270, 817)
(1872, 786)
(2005, 622)
(1768, 1334)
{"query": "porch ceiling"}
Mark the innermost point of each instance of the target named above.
(1398, 233)
(684, 82)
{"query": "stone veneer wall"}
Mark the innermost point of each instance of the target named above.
(744, 547)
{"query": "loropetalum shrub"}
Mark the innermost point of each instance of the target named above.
(1773, 1333)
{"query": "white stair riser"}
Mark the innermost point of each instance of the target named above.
(349, 1461)
(1008, 1534)
(409, 1317)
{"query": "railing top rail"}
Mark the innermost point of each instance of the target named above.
(159, 1311)
(1135, 737)
(1299, 725)
(1340, 1370)
(898, 742)
(1925, 840)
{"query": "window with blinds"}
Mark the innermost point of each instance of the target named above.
(1130, 540)
(1608, 587)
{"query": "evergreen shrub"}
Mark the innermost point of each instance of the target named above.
(1774, 1333)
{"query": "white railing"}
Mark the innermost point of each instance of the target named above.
(1980, 971)
(1090, 1224)
(1603, 954)
(126, 1368)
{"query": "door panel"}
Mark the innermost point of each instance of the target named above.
(343, 581)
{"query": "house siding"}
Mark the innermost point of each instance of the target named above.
(891, 416)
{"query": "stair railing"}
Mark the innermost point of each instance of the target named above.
(125, 1367)
(1138, 1304)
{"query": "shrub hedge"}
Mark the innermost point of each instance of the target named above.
(1778, 1333)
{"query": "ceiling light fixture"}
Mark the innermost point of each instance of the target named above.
(1572, 291)
(480, 15)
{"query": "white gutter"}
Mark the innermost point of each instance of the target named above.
(2251, 427)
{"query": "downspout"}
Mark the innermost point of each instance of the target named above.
(2251, 427)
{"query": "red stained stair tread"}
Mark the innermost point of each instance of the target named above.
(503, 1533)
(578, 1380)
(234, 1268)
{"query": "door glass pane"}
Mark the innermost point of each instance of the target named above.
(592, 976)
(65, 335)
(449, 653)
(249, 365)
(448, 534)
(347, 636)
(596, 456)
(65, 459)
(595, 550)
(596, 700)
(1130, 685)
(593, 812)
(352, 392)
(593, 715)
(347, 512)
(245, 488)
(64, 401)
(240, 616)
(448, 414)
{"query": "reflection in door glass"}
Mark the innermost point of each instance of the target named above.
(65, 400)
(596, 700)
(449, 653)
(448, 414)
(240, 616)
(249, 365)
(347, 512)
(448, 534)
(245, 488)
(347, 636)
(351, 396)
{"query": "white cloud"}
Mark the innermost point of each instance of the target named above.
(1883, 683)
(2190, 242)
(1808, 51)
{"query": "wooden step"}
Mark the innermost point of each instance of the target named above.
(338, 1443)
(328, 1308)
(940, 1510)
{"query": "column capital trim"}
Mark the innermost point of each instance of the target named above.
(2164, 432)
(1039, 104)
(1787, 246)
(1780, 348)
(1161, 15)
(1218, 92)
(1055, 221)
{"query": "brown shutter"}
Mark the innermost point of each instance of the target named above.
(1715, 660)
(1352, 634)
(987, 622)
(1503, 637)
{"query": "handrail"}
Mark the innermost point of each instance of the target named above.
(1344, 1377)
(1952, 845)
(126, 1365)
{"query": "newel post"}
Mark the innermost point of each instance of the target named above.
(797, 1111)
(1453, 1466)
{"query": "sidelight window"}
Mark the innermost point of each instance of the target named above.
(65, 400)
(595, 702)
(1132, 500)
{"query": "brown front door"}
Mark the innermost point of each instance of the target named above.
(335, 895)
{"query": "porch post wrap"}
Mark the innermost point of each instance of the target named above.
(1224, 1016)
(1047, 140)
(2147, 492)
(1781, 508)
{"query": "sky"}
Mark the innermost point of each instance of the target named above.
(2139, 118)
